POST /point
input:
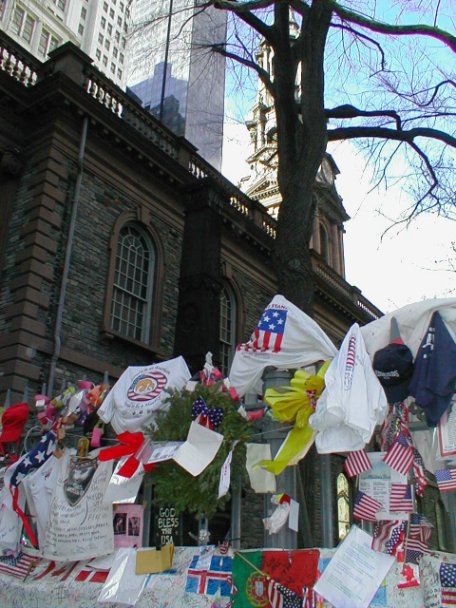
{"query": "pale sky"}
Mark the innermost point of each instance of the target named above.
(407, 264)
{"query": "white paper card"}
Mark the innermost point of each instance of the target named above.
(225, 475)
(354, 574)
(162, 451)
(200, 449)
(293, 517)
(262, 481)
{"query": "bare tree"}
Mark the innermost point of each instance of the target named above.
(340, 72)
(408, 114)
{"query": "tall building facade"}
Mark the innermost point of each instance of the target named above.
(97, 27)
(174, 73)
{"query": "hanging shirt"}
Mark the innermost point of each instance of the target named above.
(353, 402)
(140, 392)
(80, 524)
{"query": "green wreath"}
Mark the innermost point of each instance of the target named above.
(172, 484)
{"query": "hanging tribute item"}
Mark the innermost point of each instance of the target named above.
(79, 522)
(140, 392)
(284, 338)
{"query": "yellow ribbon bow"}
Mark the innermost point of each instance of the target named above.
(294, 403)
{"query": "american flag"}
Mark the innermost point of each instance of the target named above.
(447, 573)
(446, 480)
(18, 565)
(401, 498)
(389, 536)
(419, 533)
(269, 332)
(357, 462)
(33, 459)
(400, 455)
(25, 465)
(419, 473)
(366, 507)
(282, 597)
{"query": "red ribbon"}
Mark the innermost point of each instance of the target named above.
(130, 443)
(21, 514)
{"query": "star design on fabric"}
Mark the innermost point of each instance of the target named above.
(39, 456)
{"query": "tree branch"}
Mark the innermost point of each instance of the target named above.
(397, 30)
(243, 11)
(363, 37)
(348, 111)
(249, 63)
(345, 133)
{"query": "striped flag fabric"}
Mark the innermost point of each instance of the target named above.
(447, 574)
(446, 480)
(400, 454)
(401, 499)
(18, 565)
(350, 363)
(366, 507)
(389, 536)
(419, 473)
(419, 533)
(357, 462)
(282, 597)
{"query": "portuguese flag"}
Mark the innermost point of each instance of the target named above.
(252, 570)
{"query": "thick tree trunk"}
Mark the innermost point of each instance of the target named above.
(292, 260)
(302, 140)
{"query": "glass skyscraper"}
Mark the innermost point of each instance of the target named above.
(175, 74)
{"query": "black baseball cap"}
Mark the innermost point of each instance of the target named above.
(393, 365)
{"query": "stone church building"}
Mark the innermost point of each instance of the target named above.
(120, 245)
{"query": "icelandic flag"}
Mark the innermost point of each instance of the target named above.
(212, 578)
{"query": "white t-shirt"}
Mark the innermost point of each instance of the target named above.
(140, 392)
(80, 524)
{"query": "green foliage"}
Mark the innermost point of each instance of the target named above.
(172, 484)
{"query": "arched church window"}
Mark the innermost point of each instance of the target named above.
(343, 506)
(132, 289)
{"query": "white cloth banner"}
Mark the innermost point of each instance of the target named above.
(284, 338)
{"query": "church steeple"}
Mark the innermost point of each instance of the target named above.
(261, 183)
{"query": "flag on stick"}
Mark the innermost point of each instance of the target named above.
(401, 498)
(366, 507)
(400, 455)
(357, 462)
(446, 480)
